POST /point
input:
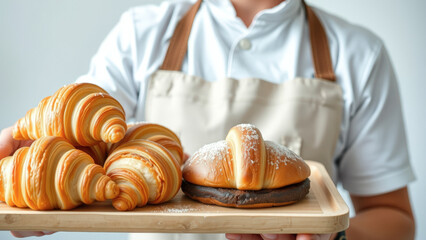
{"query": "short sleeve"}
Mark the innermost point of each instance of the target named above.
(376, 159)
(112, 66)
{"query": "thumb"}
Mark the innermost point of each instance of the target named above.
(7, 143)
(185, 157)
(23, 234)
(313, 237)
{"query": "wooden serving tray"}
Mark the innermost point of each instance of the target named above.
(322, 211)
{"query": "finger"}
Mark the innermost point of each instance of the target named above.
(307, 237)
(22, 234)
(25, 143)
(313, 236)
(185, 157)
(278, 236)
(243, 236)
(6, 143)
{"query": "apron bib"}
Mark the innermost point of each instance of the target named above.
(303, 114)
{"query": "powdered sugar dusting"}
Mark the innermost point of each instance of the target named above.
(169, 209)
(280, 155)
(249, 140)
(208, 153)
(246, 126)
(133, 123)
(250, 130)
(100, 94)
(177, 210)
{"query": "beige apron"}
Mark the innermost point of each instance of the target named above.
(303, 114)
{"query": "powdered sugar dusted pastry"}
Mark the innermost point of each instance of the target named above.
(245, 164)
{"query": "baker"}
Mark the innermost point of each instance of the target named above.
(308, 80)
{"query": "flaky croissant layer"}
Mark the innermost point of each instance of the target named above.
(52, 174)
(142, 130)
(145, 171)
(83, 113)
(156, 133)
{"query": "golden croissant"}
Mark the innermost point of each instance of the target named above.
(83, 113)
(244, 161)
(148, 131)
(145, 171)
(156, 133)
(52, 174)
(98, 152)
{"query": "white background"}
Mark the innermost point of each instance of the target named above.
(46, 44)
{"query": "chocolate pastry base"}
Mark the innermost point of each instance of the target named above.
(229, 197)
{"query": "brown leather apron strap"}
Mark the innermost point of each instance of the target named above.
(179, 41)
(319, 44)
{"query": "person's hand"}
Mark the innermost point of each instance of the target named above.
(8, 146)
(278, 236)
(185, 157)
(22, 234)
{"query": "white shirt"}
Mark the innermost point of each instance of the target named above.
(371, 153)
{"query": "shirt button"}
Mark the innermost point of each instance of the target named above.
(245, 44)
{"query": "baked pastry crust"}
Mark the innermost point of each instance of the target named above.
(82, 113)
(146, 165)
(244, 162)
(52, 174)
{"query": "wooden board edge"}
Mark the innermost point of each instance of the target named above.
(342, 207)
(182, 224)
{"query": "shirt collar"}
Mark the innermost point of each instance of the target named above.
(285, 10)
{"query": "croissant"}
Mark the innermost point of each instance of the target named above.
(244, 171)
(145, 171)
(245, 161)
(52, 174)
(83, 113)
(156, 133)
(98, 152)
(148, 131)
